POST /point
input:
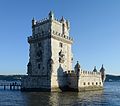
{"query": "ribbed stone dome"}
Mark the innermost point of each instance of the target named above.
(102, 69)
(95, 70)
(77, 65)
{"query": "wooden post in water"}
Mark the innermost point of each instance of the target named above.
(10, 87)
(4, 87)
(17, 87)
(13, 86)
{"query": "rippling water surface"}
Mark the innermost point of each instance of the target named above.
(110, 96)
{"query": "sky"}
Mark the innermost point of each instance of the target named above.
(95, 28)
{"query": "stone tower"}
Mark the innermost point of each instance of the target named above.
(50, 53)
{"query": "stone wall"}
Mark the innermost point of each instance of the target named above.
(85, 80)
(40, 83)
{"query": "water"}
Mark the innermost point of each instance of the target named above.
(110, 96)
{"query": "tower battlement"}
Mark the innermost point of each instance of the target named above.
(62, 35)
(42, 21)
(84, 73)
(38, 36)
(51, 24)
(89, 72)
(47, 34)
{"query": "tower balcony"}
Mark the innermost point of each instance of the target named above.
(62, 36)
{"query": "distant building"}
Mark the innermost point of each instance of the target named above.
(50, 62)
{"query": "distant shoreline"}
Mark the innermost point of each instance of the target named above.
(109, 78)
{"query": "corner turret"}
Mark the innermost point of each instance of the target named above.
(95, 70)
(77, 68)
(68, 24)
(33, 22)
(102, 71)
(62, 19)
(51, 15)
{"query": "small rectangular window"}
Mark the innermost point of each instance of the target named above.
(88, 83)
(84, 83)
(92, 83)
(96, 83)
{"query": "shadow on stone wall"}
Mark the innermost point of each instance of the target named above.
(62, 79)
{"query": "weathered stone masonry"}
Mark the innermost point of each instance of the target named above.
(50, 62)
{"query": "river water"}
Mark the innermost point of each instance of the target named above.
(110, 96)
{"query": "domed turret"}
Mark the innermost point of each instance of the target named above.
(102, 70)
(62, 19)
(95, 70)
(51, 15)
(77, 67)
(68, 24)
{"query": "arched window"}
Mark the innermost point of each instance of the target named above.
(84, 83)
(88, 83)
(92, 83)
(96, 83)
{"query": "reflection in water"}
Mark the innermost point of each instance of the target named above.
(66, 98)
(110, 96)
(76, 98)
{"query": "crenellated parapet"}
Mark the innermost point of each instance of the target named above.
(89, 72)
(57, 27)
(61, 36)
(39, 36)
(40, 22)
(45, 34)
(44, 20)
(84, 73)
